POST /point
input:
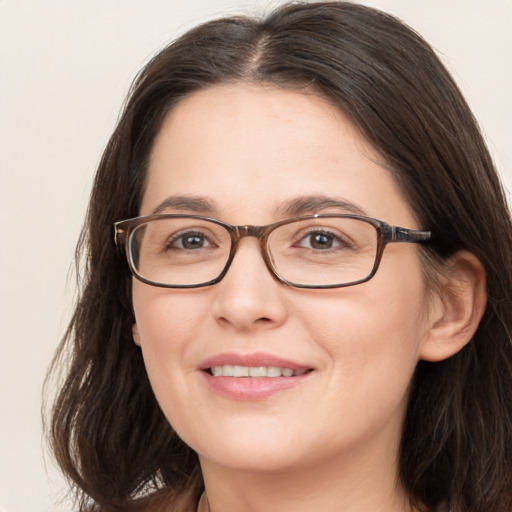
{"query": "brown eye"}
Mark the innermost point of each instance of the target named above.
(320, 240)
(189, 241)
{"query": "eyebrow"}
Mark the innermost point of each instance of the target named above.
(192, 204)
(295, 207)
(315, 204)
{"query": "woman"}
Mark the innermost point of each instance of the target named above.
(270, 344)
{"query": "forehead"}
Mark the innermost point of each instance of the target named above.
(249, 148)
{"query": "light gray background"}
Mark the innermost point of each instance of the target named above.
(65, 68)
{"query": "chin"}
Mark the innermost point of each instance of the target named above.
(255, 461)
(251, 450)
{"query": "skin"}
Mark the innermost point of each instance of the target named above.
(331, 442)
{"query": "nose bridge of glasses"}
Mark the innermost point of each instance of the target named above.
(247, 231)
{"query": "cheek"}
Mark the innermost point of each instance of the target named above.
(372, 333)
(167, 324)
(166, 318)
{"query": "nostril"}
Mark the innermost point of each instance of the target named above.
(263, 319)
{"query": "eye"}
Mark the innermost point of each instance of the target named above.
(189, 240)
(320, 240)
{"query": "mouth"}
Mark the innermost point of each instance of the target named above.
(252, 376)
(229, 370)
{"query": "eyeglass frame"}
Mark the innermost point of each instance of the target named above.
(385, 234)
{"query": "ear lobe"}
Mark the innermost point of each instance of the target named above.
(458, 308)
(135, 335)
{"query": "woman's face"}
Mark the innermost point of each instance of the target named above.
(252, 153)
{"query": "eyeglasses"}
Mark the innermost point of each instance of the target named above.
(313, 251)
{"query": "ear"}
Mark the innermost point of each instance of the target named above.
(458, 307)
(135, 334)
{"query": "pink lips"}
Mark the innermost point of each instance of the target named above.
(252, 388)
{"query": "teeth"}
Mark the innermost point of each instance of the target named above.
(258, 371)
(229, 370)
(239, 371)
(274, 371)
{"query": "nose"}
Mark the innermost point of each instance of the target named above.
(248, 297)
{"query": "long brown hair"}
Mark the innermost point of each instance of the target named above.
(107, 431)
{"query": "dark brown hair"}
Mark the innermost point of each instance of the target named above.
(107, 431)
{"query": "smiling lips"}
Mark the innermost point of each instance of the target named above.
(252, 377)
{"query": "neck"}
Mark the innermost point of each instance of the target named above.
(329, 487)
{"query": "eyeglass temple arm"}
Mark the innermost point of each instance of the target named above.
(397, 234)
(119, 236)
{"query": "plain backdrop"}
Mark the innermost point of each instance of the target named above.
(65, 68)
